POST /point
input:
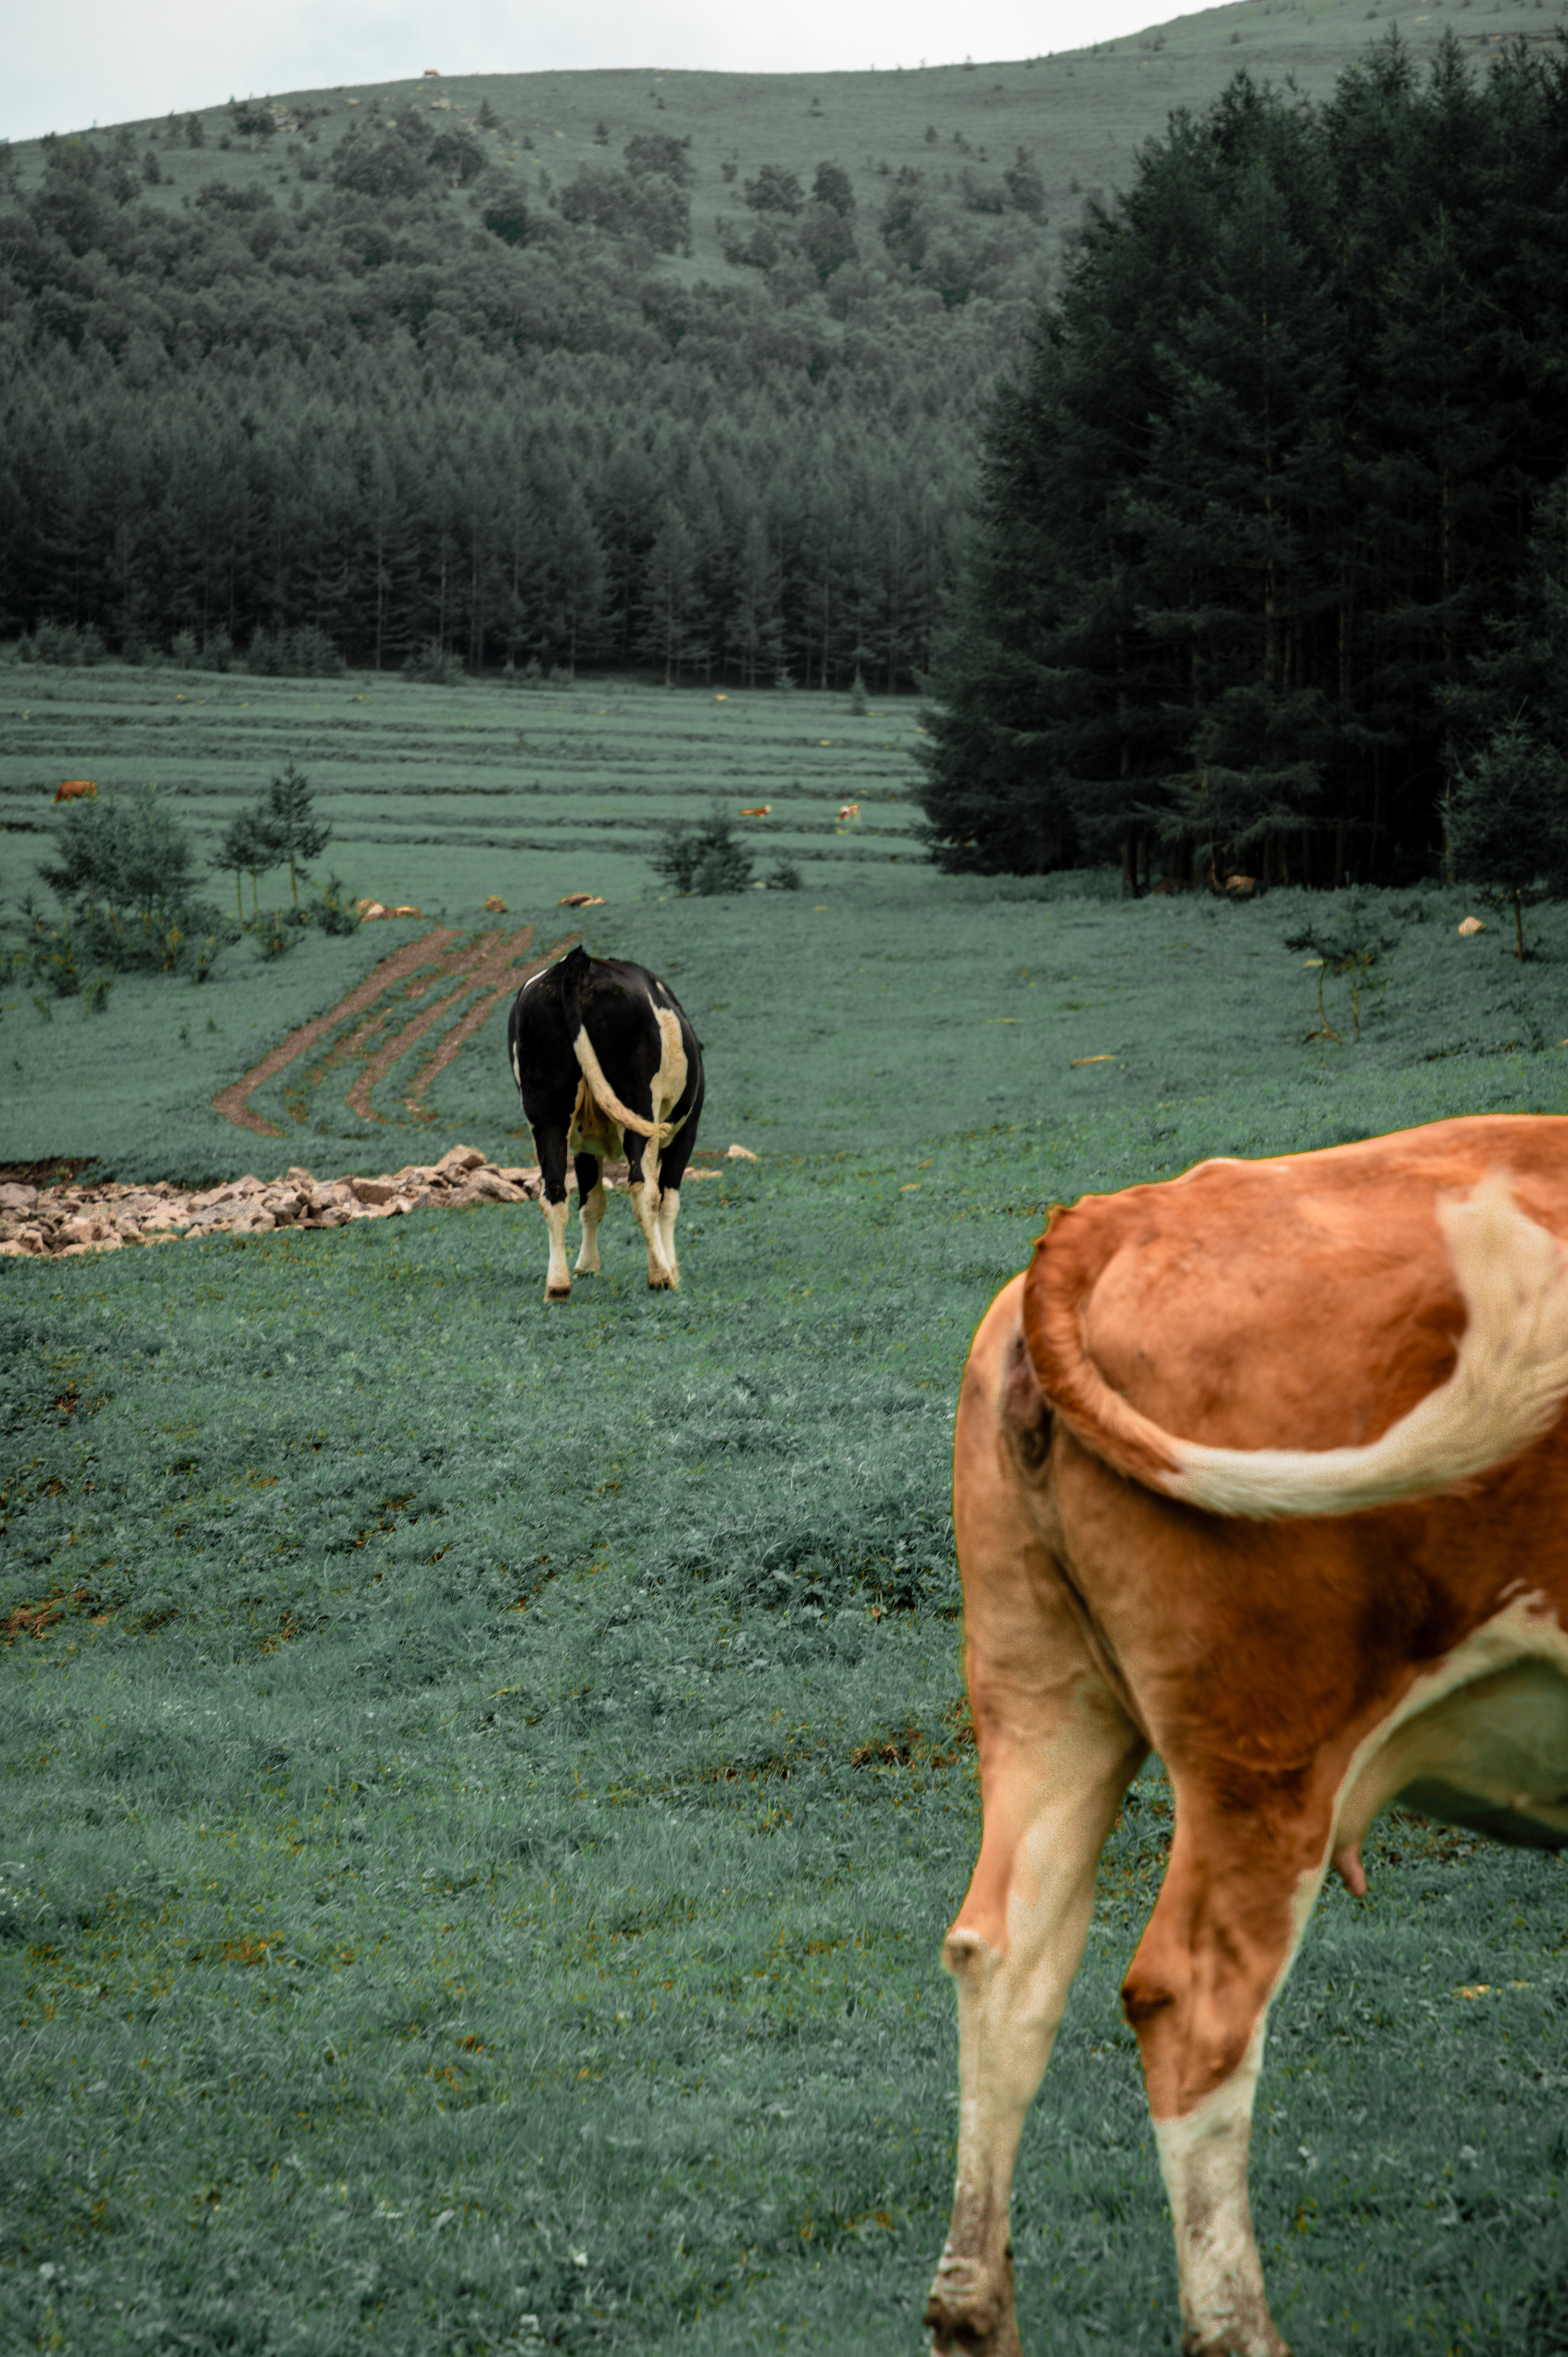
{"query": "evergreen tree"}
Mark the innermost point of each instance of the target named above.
(1507, 819)
(670, 596)
(249, 847)
(296, 833)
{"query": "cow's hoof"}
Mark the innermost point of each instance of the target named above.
(557, 1293)
(659, 1285)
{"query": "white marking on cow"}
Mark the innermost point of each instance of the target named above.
(669, 1213)
(1487, 1729)
(557, 1277)
(605, 1096)
(1203, 2159)
(593, 1210)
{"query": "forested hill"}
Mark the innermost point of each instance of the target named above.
(676, 368)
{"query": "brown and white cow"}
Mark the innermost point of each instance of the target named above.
(1265, 1469)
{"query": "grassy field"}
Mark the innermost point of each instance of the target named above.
(484, 1787)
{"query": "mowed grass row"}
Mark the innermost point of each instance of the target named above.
(424, 786)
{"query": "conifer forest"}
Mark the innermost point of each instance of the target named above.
(1225, 525)
(1274, 535)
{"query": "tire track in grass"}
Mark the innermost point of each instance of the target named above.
(493, 964)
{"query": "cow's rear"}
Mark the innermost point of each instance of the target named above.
(1265, 1469)
(606, 1064)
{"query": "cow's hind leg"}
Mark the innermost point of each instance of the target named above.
(1056, 1752)
(672, 1171)
(591, 1202)
(643, 1188)
(1241, 1882)
(552, 1151)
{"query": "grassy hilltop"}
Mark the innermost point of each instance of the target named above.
(1078, 114)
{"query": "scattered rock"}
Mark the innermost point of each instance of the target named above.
(1468, 925)
(495, 906)
(581, 900)
(740, 1154)
(57, 1222)
(460, 1158)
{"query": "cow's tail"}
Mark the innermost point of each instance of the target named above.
(593, 1071)
(1506, 1389)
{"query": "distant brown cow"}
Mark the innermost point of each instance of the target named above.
(758, 809)
(75, 790)
(849, 809)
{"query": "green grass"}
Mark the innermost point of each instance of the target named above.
(482, 1808)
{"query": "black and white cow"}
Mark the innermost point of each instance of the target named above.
(606, 1064)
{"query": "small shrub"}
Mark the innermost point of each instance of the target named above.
(433, 665)
(706, 858)
(185, 650)
(786, 877)
(1347, 943)
(278, 933)
(332, 911)
(67, 643)
(303, 652)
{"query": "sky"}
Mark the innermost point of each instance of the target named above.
(70, 63)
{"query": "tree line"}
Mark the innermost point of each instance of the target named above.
(384, 514)
(417, 408)
(1272, 530)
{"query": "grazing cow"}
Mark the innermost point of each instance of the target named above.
(606, 1064)
(76, 790)
(758, 809)
(1265, 1469)
(849, 809)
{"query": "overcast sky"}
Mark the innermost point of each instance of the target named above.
(69, 63)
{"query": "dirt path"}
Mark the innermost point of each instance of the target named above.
(495, 964)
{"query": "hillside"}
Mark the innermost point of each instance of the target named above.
(681, 370)
(1079, 115)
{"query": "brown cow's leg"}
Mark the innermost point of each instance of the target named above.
(1239, 1888)
(1056, 1752)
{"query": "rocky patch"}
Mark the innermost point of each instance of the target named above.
(53, 1223)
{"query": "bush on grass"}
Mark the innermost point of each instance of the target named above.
(704, 858)
(213, 652)
(303, 652)
(433, 665)
(123, 871)
(62, 642)
(558, 680)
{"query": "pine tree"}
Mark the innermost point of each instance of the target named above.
(1505, 817)
(298, 835)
